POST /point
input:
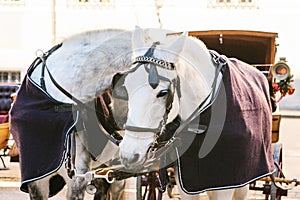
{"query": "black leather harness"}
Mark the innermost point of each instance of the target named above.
(164, 139)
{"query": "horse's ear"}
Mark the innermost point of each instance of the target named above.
(138, 38)
(176, 47)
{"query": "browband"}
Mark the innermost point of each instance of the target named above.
(156, 61)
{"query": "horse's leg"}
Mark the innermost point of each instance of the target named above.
(183, 195)
(221, 194)
(102, 188)
(229, 194)
(76, 187)
(39, 190)
(106, 191)
(116, 190)
(241, 193)
(236, 194)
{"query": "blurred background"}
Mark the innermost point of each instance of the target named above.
(28, 25)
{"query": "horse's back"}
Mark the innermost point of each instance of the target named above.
(87, 61)
(242, 152)
(249, 87)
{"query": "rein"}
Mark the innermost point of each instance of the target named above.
(164, 141)
(113, 137)
(164, 145)
(153, 80)
(170, 136)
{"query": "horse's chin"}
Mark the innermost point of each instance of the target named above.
(134, 149)
(134, 167)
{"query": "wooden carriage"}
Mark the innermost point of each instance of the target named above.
(254, 47)
(258, 49)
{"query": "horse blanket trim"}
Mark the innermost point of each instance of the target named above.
(214, 188)
(30, 126)
(238, 150)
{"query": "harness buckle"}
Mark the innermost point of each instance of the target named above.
(198, 130)
(217, 58)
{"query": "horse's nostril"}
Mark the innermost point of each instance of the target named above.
(131, 160)
(134, 158)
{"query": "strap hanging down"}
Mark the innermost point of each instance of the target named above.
(82, 105)
(206, 103)
(42, 59)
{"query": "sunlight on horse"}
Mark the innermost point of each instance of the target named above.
(145, 108)
(165, 77)
(84, 66)
(147, 104)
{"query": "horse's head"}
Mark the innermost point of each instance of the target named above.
(153, 91)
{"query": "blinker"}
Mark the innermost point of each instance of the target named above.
(153, 78)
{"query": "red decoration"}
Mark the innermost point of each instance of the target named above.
(284, 87)
(291, 91)
(275, 87)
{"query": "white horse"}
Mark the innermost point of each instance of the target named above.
(84, 66)
(148, 100)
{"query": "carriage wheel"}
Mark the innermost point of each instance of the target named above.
(276, 193)
(150, 185)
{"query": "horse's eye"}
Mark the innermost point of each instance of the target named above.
(162, 93)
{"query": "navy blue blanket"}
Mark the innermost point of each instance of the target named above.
(39, 126)
(241, 152)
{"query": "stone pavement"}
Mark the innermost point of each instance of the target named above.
(289, 137)
(10, 182)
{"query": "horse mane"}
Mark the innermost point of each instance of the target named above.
(90, 36)
(86, 63)
(196, 72)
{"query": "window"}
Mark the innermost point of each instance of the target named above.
(89, 3)
(12, 2)
(10, 77)
(223, 1)
(94, 1)
(232, 4)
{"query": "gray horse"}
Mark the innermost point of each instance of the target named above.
(84, 66)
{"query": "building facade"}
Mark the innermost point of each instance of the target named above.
(29, 25)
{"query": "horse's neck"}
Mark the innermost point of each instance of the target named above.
(192, 96)
(196, 79)
(85, 64)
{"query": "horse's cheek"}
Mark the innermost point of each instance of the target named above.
(125, 149)
(156, 112)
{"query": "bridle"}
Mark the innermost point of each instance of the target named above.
(167, 137)
(173, 133)
(150, 64)
(162, 142)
